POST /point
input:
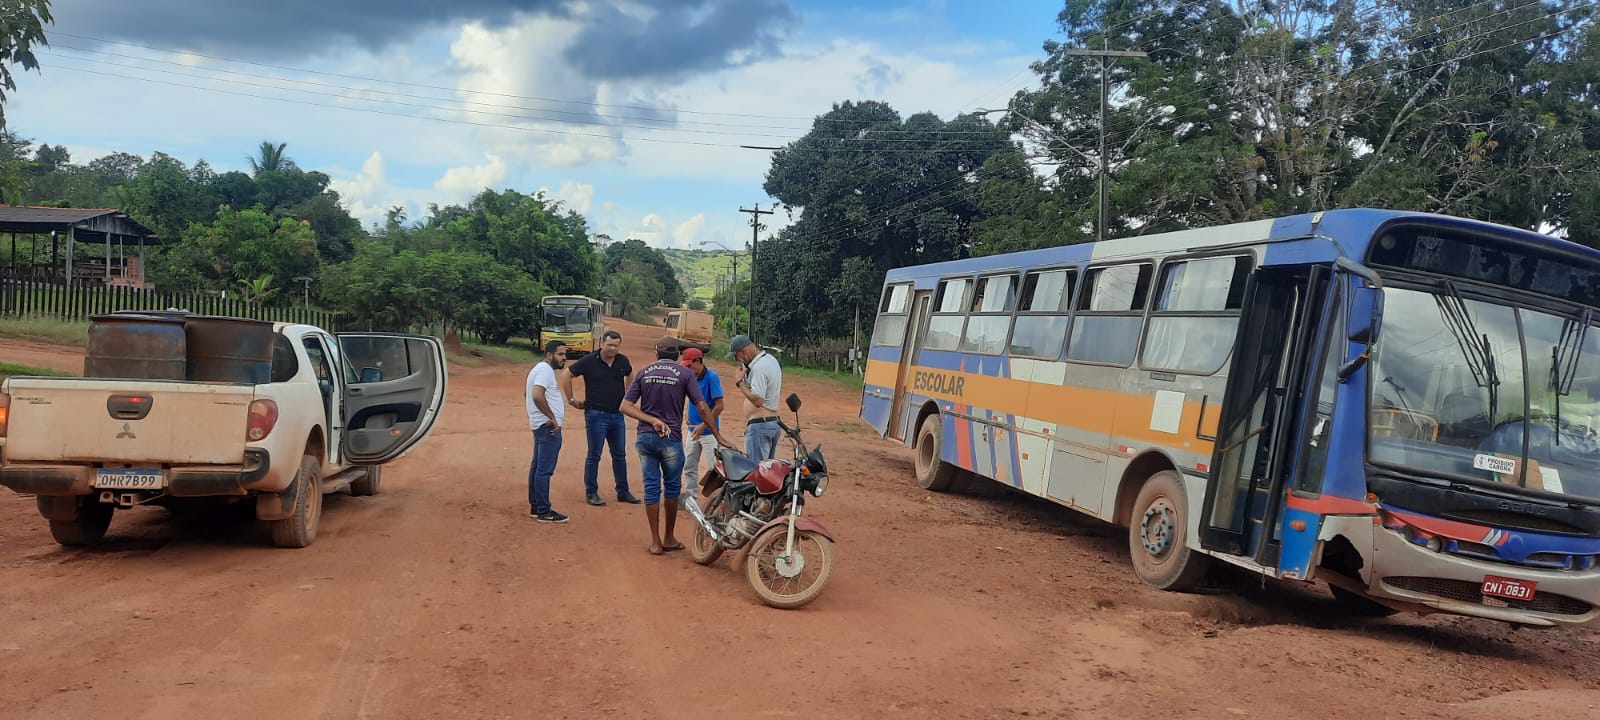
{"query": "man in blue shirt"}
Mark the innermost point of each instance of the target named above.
(700, 441)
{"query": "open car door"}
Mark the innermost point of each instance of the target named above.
(396, 387)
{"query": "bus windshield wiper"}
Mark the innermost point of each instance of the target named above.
(1475, 347)
(1564, 360)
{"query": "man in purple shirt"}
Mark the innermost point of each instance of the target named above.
(655, 399)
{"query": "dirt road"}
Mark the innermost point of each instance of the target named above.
(442, 598)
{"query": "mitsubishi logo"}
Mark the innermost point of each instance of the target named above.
(127, 432)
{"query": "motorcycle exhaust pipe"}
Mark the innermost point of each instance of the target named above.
(705, 522)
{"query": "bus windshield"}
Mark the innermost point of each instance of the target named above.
(1487, 393)
(567, 319)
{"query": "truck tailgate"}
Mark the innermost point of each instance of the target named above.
(70, 420)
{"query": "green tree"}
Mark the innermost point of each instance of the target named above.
(21, 27)
(629, 296)
(696, 304)
(876, 191)
(649, 262)
(270, 158)
(239, 246)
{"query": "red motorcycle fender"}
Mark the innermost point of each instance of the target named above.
(804, 523)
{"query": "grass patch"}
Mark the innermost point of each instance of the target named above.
(853, 427)
(514, 351)
(844, 379)
(8, 370)
(48, 330)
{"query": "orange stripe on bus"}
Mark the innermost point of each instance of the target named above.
(1123, 415)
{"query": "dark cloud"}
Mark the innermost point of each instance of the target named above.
(678, 37)
(277, 29)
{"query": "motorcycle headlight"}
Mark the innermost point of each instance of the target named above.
(819, 482)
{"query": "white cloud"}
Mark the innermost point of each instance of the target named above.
(575, 196)
(463, 182)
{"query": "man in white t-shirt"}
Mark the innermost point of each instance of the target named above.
(546, 414)
(759, 382)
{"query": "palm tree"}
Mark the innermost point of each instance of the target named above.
(270, 158)
(628, 294)
(257, 291)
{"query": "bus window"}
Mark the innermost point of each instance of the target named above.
(892, 315)
(1042, 314)
(944, 328)
(991, 315)
(1196, 316)
(1109, 313)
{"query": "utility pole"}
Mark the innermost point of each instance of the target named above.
(1105, 56)
(733, 297)
(755, 233)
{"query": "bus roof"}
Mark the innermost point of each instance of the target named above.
(1348, 230)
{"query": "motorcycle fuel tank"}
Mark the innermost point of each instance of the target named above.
(770, 476)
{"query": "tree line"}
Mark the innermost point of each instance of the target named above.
(1238, 110)
(1232, 110)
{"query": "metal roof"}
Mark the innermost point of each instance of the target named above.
(93, 224)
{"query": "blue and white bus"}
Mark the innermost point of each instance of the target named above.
(1402, 405)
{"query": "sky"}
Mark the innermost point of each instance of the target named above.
(630, 112)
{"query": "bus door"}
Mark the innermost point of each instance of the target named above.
(911, 348)
(1286, 310)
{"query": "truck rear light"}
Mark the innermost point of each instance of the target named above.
(263, 417)
(5, 412)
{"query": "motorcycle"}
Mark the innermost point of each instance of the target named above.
(756, 508)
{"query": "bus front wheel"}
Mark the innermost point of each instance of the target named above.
(1158, 534)
(933, 473)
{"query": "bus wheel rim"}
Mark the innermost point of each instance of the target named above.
(1158, 528)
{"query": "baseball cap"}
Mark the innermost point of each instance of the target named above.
(739, 343)
(690, 355)
(666, 343)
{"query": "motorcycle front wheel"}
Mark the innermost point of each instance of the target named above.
(788, 582)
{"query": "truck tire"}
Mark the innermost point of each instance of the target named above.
(300, 529)
(88, 528)
(368, 485)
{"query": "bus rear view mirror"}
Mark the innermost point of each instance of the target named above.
(1366, 311)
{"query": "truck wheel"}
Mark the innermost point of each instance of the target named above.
(368, 485)
(300, 529)
(89, 527)
(933, 473)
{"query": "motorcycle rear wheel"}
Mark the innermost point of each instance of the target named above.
(763, 571)
(702, 548)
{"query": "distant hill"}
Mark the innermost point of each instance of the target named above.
(698, 270)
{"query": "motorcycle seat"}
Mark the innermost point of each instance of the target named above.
(738, 464)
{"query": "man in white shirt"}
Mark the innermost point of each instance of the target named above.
(759, 382)
(546, 413)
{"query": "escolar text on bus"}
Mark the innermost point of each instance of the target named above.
(938, 383)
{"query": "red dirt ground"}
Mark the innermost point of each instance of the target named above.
(442, 598)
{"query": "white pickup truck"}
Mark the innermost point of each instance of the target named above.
(185, 410)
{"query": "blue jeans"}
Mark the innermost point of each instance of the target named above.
(546, 449)
(661, 461)
(605, 427)
(761, 440)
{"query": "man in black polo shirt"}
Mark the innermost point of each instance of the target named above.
(606, 376)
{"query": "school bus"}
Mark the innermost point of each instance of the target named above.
(576, 320)
(1402, 405)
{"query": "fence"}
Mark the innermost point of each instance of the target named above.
(25, 297)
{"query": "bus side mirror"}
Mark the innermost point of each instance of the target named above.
(1366, 313)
